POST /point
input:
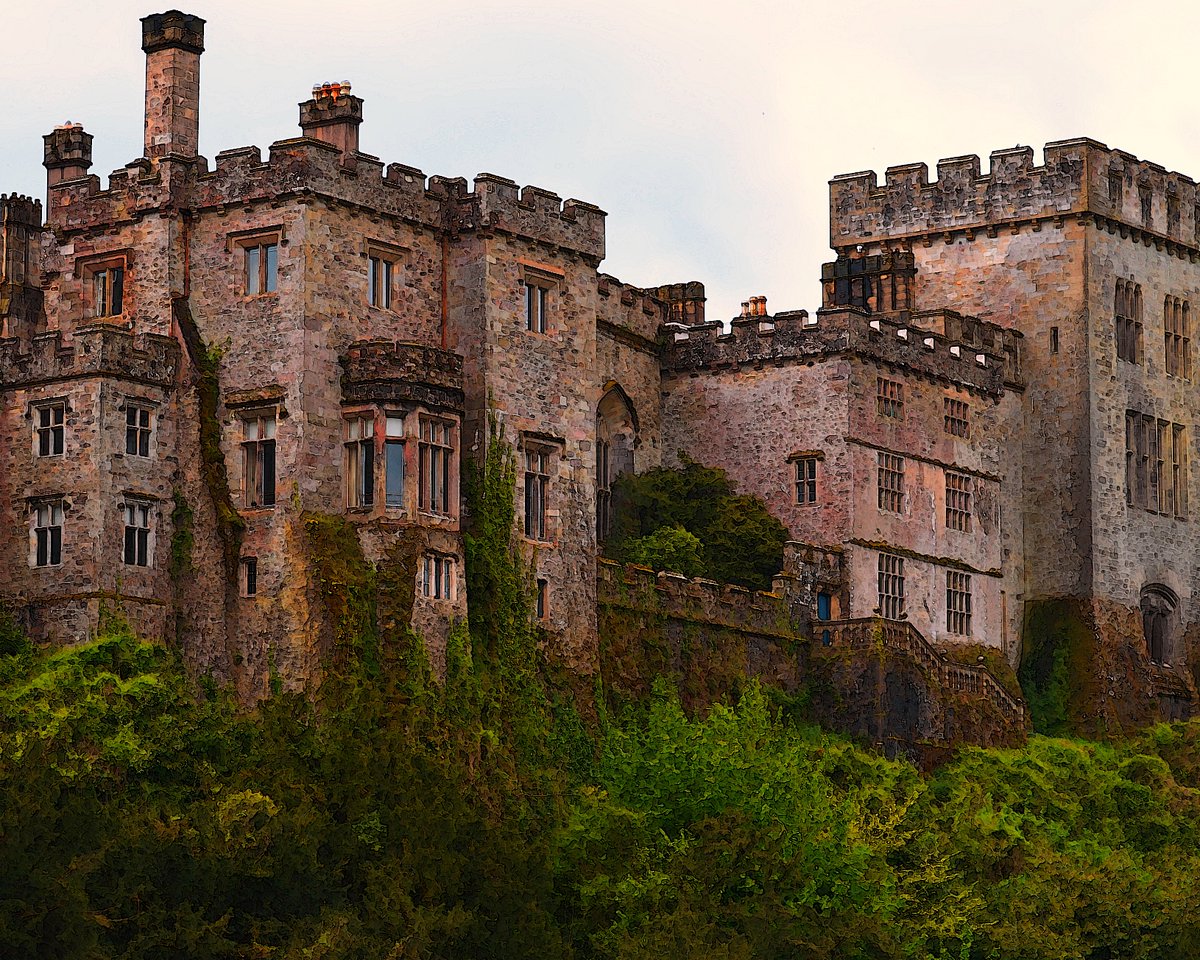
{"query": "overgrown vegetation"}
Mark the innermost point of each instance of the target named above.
(658, 514)
(482, 817)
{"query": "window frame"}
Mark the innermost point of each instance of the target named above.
(438, 577)
(260, 239)
(960, 494)
(805, 472)
(381, 278)
(358, 461)
(959, 603)
(255, 454)
(50, 431)
(540, 284)
(248, 578)
(537, 471)
(889, 398)
(1127, 311)
(142, 543)
(890, 482)
(436, 456)
(54, 530)
(142, 435)
(956, 417)
(891, 586)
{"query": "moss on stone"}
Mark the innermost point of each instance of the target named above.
(183, 537)
(1056, 664)
(346, 585)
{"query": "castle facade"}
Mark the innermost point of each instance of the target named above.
(986, 430)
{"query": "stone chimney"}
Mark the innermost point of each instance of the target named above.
(333, 116)
(173, 42)
(685, 300)
(68, 153)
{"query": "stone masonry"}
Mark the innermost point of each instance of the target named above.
(992, 409)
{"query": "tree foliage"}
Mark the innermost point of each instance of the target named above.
(739, 540)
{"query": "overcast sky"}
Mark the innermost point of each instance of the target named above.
(707, 131)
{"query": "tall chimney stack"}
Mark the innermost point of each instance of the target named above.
(333, 116)
(173, 42)
(68, 153)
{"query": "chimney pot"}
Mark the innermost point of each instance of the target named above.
(173, 42)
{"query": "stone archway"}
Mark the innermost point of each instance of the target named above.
(1160, 618)
(616, 442)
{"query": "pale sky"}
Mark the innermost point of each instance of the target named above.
(707, 131)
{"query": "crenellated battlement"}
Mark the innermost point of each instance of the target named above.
(382, 371)
(95, 351)
(1076, 177)
(20, 210)
(940, 344)
(629, 312)
(303, 168)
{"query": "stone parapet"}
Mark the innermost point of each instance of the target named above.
(95, 351)
(1076, 177)
(694, 600)
(383, 371)
(629, 313)
(21, 210)
(941, 344)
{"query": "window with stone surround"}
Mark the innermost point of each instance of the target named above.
(393, 462)
(380, 271)
(804, 477)
(261, 268)
(1128, 309)
(542, 608)
(889, 398)
(891, 482)
(47, 533)
(891, 586)
(248, 576)
(107, 290)
(139, 421)
(359, 454)
(438, 577)
(435, 449)
(1177, 337)
(958, 502)
(1156, 473)
(537, 488)
(258, 460)
(540, 283)
(137, 547)
(956, 417)
(958, 603)
(49, 428)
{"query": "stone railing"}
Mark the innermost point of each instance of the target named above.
(904, 638)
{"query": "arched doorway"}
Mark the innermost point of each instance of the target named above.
(1160, 608)
(616, 439)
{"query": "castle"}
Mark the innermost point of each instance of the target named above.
(986, 430)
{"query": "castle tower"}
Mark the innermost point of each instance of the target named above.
(20, 293)
(173, 43)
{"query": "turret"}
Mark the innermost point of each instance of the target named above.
(68, 153)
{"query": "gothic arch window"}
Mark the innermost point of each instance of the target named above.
(1160, 608)
(616, 438)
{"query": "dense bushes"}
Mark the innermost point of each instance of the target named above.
(657, 515)
(481, 817)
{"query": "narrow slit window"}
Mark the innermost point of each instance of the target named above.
(535, 307)
(379, 282)
(249, 576)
